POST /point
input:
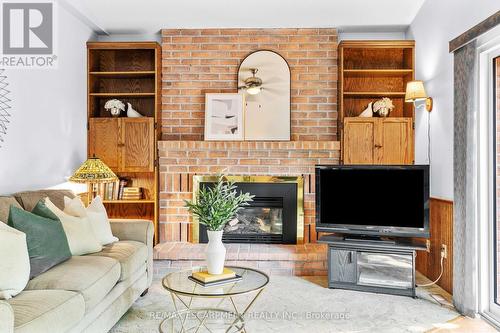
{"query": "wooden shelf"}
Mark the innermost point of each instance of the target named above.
(377, 72)
(122, 94)
(374, 93)
(125, 74)
(141, 201)
(368, 71)
(130, 72)
(122, 116)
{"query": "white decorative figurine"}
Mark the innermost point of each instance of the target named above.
(368, 112)
(115, 107)
(131, 113)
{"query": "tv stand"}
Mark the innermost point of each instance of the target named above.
(372, 266)
(366, 238)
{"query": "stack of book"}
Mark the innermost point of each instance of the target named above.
(207, 280)
(111, 191)
(107, 191)
(132, 193)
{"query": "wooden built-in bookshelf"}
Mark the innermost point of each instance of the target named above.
(370, 70)
(130, 72)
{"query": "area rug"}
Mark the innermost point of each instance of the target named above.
(295, 304)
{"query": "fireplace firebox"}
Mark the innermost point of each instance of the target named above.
(274, 216)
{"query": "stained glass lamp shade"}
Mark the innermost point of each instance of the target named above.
(93, 171)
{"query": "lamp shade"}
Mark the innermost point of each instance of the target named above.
(93, 171)
(415, 91)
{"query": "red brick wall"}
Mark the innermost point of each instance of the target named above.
(180, 160)
(198, 61)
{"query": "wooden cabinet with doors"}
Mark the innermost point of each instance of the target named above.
(378, 141)
(368, 71)
(131, 73)
(124, 144)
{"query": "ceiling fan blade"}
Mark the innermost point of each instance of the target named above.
(275, 79)
(272, 90)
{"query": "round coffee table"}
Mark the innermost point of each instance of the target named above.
(210, 319)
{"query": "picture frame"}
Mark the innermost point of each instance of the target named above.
(224, 116)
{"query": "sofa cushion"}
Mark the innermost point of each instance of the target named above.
(47, 242)
(93, 277)
(81, 237)
(5, 203)
(29, 199)
(131, 255)
(46, 311)
(95, 213)
(14, 261)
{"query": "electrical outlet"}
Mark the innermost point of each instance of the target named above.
(428, 245)
(444, 250)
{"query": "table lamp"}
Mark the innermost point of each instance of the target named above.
(93, 171)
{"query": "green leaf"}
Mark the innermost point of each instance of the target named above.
(217, 205)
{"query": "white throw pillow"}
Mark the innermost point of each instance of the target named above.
(81, 237)
(97, 215)
(14, 261)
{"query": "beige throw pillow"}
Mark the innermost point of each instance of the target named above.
(81, 237)
(97, 215)
(14, 261)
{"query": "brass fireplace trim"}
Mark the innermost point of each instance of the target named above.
(299, 180)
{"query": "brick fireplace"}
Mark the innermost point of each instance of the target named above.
(181, 160)
(200, 61)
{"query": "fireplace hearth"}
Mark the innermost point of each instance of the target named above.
(274, 216)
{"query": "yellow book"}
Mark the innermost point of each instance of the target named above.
(204, 277)
(132, 190)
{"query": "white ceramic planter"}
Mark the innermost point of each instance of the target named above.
(215, 252)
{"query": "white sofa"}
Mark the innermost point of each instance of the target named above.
(85, 293)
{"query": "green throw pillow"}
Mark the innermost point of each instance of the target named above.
(42, 210)
(47, 242)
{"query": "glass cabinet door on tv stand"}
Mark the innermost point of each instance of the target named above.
(371, 266)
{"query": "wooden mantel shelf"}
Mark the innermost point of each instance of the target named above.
(325, 145)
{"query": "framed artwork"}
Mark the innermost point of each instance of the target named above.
(224, 117)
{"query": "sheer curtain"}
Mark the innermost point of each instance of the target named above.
(465, 263)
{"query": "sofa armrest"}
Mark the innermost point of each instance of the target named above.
(6, 317)
(139, 231)
(136, 230)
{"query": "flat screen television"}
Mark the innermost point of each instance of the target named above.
(381, 200)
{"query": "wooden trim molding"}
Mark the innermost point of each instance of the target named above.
(441, 229)
(474, 32)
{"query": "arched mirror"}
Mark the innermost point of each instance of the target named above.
(264, 78)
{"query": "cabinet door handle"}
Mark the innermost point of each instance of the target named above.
(378, 146)
(349, 259)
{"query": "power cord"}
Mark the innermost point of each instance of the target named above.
(429, 137)
(440, 274)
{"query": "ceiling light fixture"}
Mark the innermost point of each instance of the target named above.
(253, 84)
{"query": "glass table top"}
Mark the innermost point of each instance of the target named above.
(252, 280)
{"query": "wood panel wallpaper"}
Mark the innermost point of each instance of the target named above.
(441, 228)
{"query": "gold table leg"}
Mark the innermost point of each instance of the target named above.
(243, 313)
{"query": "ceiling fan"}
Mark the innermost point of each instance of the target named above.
(253, 84)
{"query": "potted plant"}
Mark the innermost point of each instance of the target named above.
(214, 206)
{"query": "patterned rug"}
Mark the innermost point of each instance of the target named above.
(295, 304)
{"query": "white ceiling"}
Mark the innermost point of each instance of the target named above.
(150, 16)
